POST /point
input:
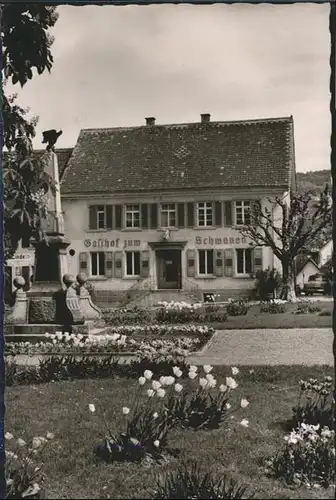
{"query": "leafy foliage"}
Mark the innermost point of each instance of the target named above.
(307, 458)
(237, 307)
(267, 282)
(189, 481)
(26, 46)
(273, 308)
(316, 404)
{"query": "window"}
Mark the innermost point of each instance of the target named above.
(243, 210)
(205, 262)
(168, 215)
(132, 216)
(97, 263)
(25, 242)
(244, 260)
(101, 217)
(132, 263)
(204, 214)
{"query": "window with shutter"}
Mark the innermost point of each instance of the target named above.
(144, 216)
(118, 216)
(144, 264)
(205, 262)
(219, 263)
(257, 260)
(191, 267)
(83, 262)
(228, 262)
(228, 213)
(180, 215)
(190, 215)
(93, 217)
(153, 215)
(109, 217)
(118, 271)
(109, 264)
(218, 213)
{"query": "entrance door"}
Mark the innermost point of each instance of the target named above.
(169, 268)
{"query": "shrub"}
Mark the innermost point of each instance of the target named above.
(268, 281)
(273, 308)
(19, 375)
(42, 311)
(191, 482)
(308, 457)
(315, 403)
(205, 408)
(23, 476)
(305, 308)
(237, 307)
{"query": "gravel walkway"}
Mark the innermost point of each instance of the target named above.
(307, 346)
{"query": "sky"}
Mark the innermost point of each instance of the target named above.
(114, 66)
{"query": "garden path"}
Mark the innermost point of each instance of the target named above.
(293, 346)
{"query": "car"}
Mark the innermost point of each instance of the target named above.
(317, 283)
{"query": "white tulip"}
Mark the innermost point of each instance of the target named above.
(244, 403)
(203, 382)
(170, 380)
(9, 436)
(178, 387)
(234, 370)
(160, 393)
(142, 380)
(125, 410)
(156, 385)
(177, 372)
(193, 368)
(212, 383)
(148, 374)
(244, 422)
(92, 408)
(21, 442)
(222, 388)
(163, 380)
(227, 406)
(150, 393)
(209, 377)
(156, 443)
(207, 368)
(192, 375)
(231, 383)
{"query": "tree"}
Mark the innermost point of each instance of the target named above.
(289, 228)
(26, 46)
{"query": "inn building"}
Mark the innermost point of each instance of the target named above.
(160, 207)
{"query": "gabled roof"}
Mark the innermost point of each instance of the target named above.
(250, 153)
(302, 262)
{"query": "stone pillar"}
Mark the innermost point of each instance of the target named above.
(19, 312)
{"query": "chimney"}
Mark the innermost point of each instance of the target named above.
(205, 118)
(150, 121)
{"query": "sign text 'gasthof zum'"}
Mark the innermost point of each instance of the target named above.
(117, 243)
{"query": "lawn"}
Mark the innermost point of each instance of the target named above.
(62, 407)
(255, 320)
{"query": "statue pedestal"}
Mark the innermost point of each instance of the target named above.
(50, 265)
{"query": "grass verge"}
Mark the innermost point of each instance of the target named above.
(72, 472)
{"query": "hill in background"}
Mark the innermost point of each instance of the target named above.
(314, 181)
